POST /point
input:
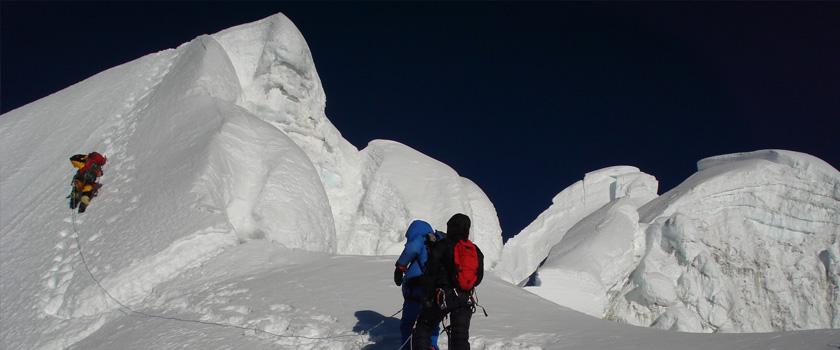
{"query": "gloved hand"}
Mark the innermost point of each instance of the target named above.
(398, 276)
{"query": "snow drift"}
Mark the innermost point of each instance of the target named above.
(747, 244)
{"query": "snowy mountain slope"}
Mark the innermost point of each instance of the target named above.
(747, 244)
(164, 206)
(522, 254)
(198, 163)
(293, 293)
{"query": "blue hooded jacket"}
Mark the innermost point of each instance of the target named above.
(415, 254)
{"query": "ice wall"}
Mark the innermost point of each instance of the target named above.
(522, 254)
(594, 258)
(370, 207)
(747, 244)
(281, 85)
(402, 184)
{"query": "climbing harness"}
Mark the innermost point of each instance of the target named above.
(125, 309)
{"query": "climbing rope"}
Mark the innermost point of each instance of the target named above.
(405, 342)
(125, 309)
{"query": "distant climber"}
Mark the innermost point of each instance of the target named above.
(84, 185)
(409, 269)
(455, 267)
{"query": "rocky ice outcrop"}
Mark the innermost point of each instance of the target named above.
(523, 254)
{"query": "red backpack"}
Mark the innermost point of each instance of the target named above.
(95, 162)
(466, 264)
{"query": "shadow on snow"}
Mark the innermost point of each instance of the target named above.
(384, 336)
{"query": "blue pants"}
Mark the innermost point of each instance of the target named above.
(411, 310)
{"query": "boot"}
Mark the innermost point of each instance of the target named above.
(83, 203)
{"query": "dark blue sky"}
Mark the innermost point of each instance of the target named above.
(523, 99)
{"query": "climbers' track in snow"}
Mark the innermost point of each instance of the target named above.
(129, 311)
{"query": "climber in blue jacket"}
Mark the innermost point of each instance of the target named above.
(409, 268)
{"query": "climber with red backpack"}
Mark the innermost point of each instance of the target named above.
(454, 268)
(84, 185)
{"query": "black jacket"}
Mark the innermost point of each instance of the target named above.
(440, 268)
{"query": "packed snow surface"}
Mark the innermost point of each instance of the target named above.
(228, 195)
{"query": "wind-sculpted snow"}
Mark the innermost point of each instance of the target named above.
(281, 85)
(593, 258)
(402, 184)
(522, 254)
(747, 244)
(370, 211)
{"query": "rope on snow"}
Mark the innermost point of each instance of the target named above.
(125, 309)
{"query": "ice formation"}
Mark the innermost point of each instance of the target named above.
(523, 253)
(280, 85)
(747, 244)
(402, 184)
